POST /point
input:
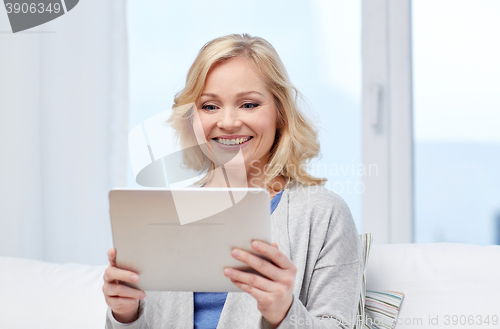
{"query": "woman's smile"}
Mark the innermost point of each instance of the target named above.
(232, 143)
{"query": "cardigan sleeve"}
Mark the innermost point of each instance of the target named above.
(335, 305)
(140, 323)
(333, 292)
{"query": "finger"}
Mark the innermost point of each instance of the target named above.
(254, 292)
(275, 244)
(114, 273)
(250, 279)
(121, 304)
(260, 265)
(120, 290)
(273, 253)
(112, 256)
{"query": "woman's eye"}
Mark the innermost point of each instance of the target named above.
(250, 105)
(209, 107)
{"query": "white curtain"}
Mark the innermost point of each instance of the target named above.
(63, 133)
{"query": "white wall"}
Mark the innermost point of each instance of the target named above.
(63, 124)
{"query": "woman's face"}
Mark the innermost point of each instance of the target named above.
(237, 111)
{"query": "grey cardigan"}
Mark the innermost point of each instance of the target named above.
(315, 229)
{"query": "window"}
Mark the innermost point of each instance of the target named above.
(456, 53)
(431, 113)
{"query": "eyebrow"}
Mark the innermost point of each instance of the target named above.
(239, 95)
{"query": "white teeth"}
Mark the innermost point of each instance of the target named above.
(232, 141)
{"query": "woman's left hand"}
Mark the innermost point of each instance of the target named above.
(274, 295)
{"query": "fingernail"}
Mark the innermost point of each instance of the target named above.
(134, 277)
(256, 244)
(143, 295)
(227, 272)
(236, 252)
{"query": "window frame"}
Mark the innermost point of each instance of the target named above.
(387, 121)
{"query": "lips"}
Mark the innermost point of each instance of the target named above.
(232, 136)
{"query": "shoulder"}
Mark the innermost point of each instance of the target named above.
(319, 198)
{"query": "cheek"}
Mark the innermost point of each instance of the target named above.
(267, 132)
(266, 123)
(205, 123)
(201, 127)
(270, 127)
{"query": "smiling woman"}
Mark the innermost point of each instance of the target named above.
(251, 133)
(238, 84)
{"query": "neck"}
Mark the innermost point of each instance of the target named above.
(227, 176)
(235, 173)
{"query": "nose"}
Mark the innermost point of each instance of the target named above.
(228, 119)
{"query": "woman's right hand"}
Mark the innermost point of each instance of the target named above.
(121, 299)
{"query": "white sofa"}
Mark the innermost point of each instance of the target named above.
(438, 280)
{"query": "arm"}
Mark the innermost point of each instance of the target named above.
(332, 300)
(331, 291)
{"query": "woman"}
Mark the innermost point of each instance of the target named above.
(246, 107)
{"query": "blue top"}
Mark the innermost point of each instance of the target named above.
(208, 305)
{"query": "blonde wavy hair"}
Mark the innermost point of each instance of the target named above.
(296, 140)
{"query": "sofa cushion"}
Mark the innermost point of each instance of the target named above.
(366, 242)
(42, 295)
(439, 281)
(382, 308)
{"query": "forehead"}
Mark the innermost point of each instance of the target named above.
(234, 75)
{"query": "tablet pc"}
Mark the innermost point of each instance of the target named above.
(181, 239)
